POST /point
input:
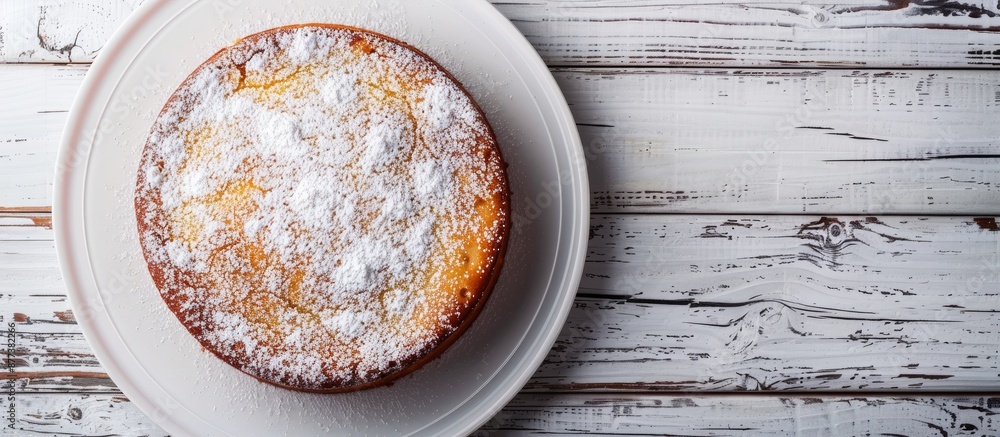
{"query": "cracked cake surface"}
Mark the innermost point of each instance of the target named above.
(322, 207)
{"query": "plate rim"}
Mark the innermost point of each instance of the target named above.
(73, 252)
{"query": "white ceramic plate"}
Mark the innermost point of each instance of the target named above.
(185, 389)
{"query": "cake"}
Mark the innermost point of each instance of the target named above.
(322, 207)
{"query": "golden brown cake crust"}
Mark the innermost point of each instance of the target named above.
(323, 207)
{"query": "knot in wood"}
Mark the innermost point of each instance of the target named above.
(827, 240)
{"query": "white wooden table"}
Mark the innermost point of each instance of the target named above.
(793, 228)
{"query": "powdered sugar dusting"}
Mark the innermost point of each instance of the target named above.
(297, 187)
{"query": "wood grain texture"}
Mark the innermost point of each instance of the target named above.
(635, 414)
(35, 101)
(692, 141)
(731, 33)
(863, 33)
(675, 302)
(82, 414)
(58, 31)
(620, 414)
(789, 141)
(783, 303)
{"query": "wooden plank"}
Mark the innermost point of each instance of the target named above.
(789, 141)
(671, 414)
(783, 303)
(58, 31)
(81, 414)
(759, 33)
(25, 226)
(618, 414)
(706, 303)
(730, 33)
(693, 141)
(35, 101)
(28, 264)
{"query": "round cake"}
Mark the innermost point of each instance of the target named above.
(323, 207)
